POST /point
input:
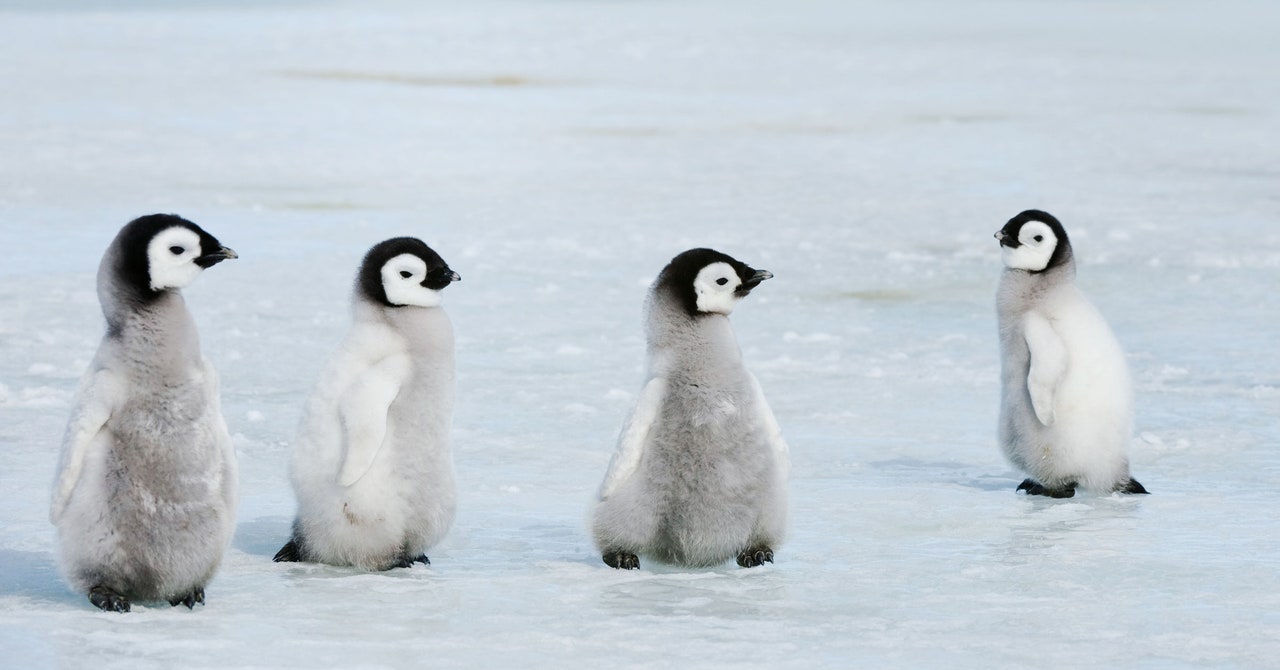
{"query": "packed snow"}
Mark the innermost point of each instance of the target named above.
(557, 153)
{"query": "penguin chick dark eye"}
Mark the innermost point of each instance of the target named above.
(722, 281)
(406, 274)
(177, 251)
(1038, 238)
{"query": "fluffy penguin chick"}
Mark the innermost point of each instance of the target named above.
(1066, 414)
(372, 466)
(700, 472)
(145, 495)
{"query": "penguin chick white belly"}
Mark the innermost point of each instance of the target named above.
(1092, 405)
(401, 506)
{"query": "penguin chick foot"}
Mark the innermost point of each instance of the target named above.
(406, 562)
(750, 558)
(621, 560)
(190, 600)
(1131, 487)
(289, 553)
(108, 600)
(1035, 488)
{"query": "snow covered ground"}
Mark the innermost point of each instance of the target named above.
(557, 153)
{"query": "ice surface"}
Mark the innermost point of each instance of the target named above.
(558, 153)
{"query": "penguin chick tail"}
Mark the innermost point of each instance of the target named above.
(1131, 487)
(289, 553)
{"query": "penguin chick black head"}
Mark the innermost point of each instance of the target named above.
(706, 281)
(158, 252)
(404, 271)
(1034, 241)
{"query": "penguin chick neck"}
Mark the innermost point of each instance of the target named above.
(423, 329)
(157, 338)
(680, 344)
(1019, 289)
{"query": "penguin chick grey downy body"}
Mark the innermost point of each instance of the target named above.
(1066, 414)
(700, 471)
(145, 495)
(372, 465)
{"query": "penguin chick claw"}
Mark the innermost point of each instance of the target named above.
(190, 600)
(621, 560)
(406, 562)
(108, 600)
(751, 558)
(1035, 488)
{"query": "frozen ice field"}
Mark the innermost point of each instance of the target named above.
(557, 153)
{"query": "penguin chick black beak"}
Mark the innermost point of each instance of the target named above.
(1005, 240)
(754, 281)
(209, 260)
(439, 281)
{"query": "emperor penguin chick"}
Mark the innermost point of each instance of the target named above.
(701, 468)
(145, 496)
(1066, 414)
(372, 466)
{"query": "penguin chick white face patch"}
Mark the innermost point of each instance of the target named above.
(171, 258)
(1033, 249)
(716, 288)
(402, 278)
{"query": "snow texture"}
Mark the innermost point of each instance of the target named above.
(557, 154)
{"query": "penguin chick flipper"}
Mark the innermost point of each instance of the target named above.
(1132, 487)
(621, 560)
(634, 436)
(1048, 365)
(1035, 488)
(86, 433)
(190, 600)
(363, 410)
(289, 553)
(781, 452)
(755, 556)
(108, 600)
